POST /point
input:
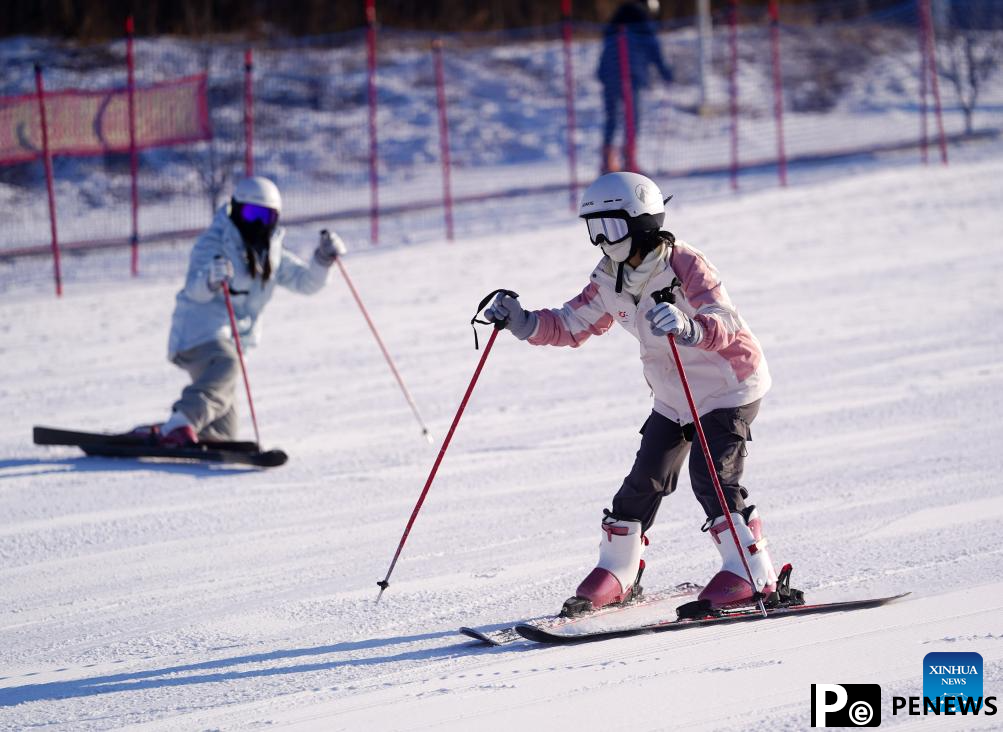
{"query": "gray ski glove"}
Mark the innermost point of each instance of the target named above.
(329, 249)
(666, 319)
(508, 310)
(220, 270)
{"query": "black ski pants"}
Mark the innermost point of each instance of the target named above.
(664, 445)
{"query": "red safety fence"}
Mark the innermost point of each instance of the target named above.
(84, 123)
(394, 137)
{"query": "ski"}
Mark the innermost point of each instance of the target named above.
(138, 446)
(558, 635)
(53, 436)
(666, 602)
(500, 637)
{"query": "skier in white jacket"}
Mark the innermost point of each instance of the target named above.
(241, 249)
(722, 360)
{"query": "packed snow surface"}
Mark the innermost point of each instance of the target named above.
(185, 597)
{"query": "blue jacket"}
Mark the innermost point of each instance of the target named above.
(642, 43)
(200, 314)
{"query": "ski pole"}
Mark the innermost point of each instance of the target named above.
(383, 348)
(385, 582)
(666, 295)
(240, 356)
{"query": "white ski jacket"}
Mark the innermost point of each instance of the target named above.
(200, 314)
(725, 369)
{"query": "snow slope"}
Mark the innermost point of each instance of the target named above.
(169, 597)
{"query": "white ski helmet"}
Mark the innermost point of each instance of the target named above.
(630, 193)
(254, 210)
(624, 213)
(630, 197)
(258, 191)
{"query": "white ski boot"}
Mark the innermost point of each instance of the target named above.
(730, 586)
(615, 578)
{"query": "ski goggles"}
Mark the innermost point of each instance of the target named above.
(607, 229)
(252, 213)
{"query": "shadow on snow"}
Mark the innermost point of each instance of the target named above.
(222, 669)
(20, 468)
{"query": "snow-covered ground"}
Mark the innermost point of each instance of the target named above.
(184, 597)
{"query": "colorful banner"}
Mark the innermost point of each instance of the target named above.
(92, 123)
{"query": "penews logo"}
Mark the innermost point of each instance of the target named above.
(845, 705)
(952, 686)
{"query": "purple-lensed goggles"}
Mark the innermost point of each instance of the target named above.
(252, 213)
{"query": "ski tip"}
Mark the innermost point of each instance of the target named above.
(274, 458)
(428, 436)
(477, 635)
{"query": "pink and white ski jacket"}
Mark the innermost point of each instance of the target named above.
(726, 369)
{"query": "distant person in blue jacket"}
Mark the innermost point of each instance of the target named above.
(636, 18)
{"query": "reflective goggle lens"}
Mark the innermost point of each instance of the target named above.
(253, 213)
(607, 230)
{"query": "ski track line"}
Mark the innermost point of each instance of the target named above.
(364, 681)
(405, 675)
(446, 618)
(706, 635)
(648, 649)
(645, 654)
(877, 575)
(458, 614)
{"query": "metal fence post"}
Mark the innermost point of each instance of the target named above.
(923, 65)
(569, 95)
(130, 30)
(733, 88)
(627, 89)
(248, 112)
(374, 178)
(40, 91)
(440, 88)
(931, 57)
(778, 89)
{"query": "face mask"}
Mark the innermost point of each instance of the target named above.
(618, 252)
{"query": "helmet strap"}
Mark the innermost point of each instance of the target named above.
(619, 272)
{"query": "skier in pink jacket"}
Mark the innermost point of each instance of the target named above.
(721, 357)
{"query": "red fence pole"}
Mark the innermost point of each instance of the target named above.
(40, 90)
(629, 128)
(440, 89)
(733, 89)
(778, 90)
(130, 31)
(569, 96)
(931, 55)
(374, 181)
(249, 112)
(923, 66)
